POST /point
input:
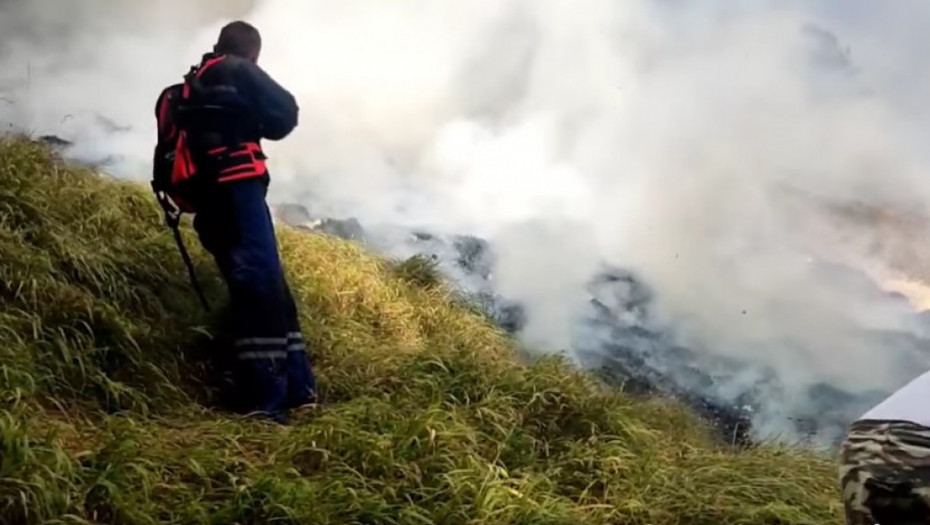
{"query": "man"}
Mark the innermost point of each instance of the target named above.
(885, 471)
(210, 161)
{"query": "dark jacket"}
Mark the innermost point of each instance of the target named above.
(237, 102)
(230, 107)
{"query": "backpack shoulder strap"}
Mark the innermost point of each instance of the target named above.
(192, 82)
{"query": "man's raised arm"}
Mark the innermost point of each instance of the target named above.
(275, 108)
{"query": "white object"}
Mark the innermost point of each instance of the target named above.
(910, 403)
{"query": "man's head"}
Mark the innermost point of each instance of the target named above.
(240, 39)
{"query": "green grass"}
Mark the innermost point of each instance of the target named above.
(430, 416)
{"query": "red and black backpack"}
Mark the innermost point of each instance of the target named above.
(174, 168)
(170, 167)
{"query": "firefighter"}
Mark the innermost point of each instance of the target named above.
(209, 161)
(885, 460)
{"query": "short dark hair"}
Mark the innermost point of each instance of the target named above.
(239, 38)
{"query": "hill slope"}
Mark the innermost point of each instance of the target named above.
(429, 414)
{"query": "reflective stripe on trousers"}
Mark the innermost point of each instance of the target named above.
(269, 347)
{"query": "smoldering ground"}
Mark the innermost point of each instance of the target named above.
(710, 148)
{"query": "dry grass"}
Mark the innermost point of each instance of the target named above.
(430, 417)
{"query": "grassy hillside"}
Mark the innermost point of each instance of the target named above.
(429, 416)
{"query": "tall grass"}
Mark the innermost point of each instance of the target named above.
(428, 414)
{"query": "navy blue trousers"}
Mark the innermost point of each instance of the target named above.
(271, 371)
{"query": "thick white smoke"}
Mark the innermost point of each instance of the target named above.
(699, 144)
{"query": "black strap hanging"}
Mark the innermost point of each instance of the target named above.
(173, 219)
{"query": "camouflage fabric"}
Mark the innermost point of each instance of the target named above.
(885, 473)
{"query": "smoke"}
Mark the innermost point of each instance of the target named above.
(713, 149)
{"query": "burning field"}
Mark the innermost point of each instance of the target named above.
(619, 337)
